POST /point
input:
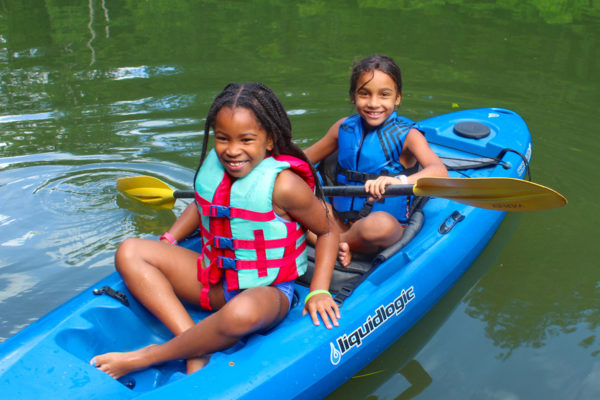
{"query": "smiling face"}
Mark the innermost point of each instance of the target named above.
(241, 143)
(376, 97)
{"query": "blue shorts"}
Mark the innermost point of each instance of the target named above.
(287, 288)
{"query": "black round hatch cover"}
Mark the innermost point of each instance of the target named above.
(472, 130)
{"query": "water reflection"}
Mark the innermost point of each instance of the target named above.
(28, 117)
(14, 284)
(91, 29)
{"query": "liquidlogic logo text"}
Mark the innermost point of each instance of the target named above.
(382, 314)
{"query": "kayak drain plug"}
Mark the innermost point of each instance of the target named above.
(112, 293)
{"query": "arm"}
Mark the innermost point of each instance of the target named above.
(415, 149)
(326, 145)
(294, 200)
(186, 223)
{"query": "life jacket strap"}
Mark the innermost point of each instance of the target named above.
(219, 211)
(362, 177)
(222, 242)
(236, 264)
(203, 277)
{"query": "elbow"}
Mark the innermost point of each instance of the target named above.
(440, 170)
(443, 171)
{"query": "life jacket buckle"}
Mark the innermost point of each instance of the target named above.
(226, 263)
(355, 176)
(219, 211)
(221, 242)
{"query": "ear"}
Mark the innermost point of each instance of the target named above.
(270, 143)
(398, 99)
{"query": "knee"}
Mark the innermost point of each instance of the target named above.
(379, 226)
(127, 251)
(239, 318)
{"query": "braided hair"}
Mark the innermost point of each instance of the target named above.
(268, 111)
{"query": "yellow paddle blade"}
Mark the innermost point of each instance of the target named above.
(147, 189)
(503, 194)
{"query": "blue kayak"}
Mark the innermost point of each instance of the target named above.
(381, 299)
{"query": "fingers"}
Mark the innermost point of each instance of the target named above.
(322, 307)
(376, 187)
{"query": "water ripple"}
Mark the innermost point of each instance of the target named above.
(29, 117)
(75, 215)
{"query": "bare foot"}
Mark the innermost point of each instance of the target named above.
(195, 364)
(120, 364)
(344, 254)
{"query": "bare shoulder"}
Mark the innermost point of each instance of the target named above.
(416, 146)
(335, 128)
(326, 145)
(289, 188)
(414, 133)
(415, 140)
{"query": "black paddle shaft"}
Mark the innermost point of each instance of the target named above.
(331, 191)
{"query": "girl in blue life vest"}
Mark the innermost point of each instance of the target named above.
(376, 148)
(254, 202)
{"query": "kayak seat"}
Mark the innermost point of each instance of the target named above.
(100, 330)
(345, 279)
(93, 333)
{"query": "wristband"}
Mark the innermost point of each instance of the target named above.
(314, 292)
(169, 238)
(402, 178)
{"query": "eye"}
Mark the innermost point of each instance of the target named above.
(220, 138)
(362, 93)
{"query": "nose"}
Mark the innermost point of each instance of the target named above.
(233, 149)
(373, 101)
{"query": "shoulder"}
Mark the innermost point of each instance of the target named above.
(342, 120)
(415, 141)
(290, 189)
(415, 131)
(326, 145)
(288, 181)
(335, 128)
(416, 137)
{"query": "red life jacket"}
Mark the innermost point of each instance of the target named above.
(242, 237)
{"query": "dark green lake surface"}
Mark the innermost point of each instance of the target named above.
(91, 91)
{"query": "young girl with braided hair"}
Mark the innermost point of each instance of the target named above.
(254, 203)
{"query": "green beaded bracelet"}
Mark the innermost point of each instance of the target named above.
(314, 292)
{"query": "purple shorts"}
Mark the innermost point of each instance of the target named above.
(287, 288)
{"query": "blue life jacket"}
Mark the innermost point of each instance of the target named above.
(367, 155)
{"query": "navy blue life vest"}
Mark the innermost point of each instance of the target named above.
(367, 155)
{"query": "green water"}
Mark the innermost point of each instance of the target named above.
(91, 91)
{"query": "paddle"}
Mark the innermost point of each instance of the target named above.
(503, 194)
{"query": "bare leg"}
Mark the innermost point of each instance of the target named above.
(250, 311)
(158, 275)
(367, 235)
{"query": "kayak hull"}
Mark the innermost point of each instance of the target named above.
(296, 359)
